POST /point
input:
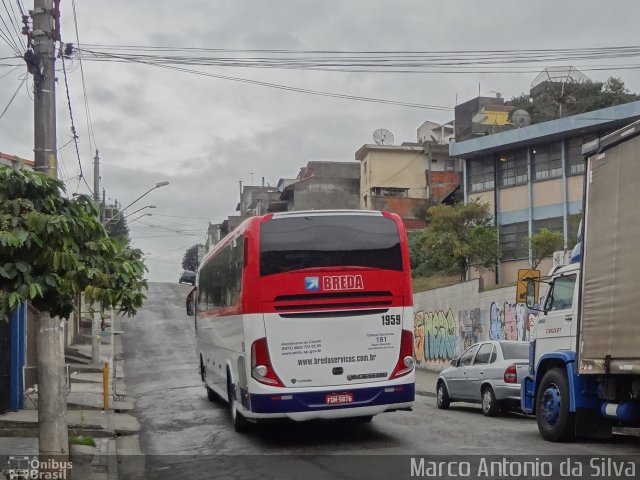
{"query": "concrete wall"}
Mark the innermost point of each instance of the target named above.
(399, 169)
(450, 319)
(324, 194)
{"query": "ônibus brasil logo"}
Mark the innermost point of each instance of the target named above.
(334, 282)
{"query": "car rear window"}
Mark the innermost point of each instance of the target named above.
(515, 351)
(296, 243)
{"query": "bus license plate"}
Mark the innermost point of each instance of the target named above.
(339, 398)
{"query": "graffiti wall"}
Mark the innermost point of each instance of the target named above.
(449, 320)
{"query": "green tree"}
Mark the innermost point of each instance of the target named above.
(459, 236)
(571, 98)
(190, 259)
(417, 254)
(118, 228)
(543, 244)
(54, 248)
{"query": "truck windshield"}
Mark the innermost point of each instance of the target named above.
(515, 351)
(296, 243)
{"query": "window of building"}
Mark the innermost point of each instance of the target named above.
(575, 160)
(390, 192)
(547, 161)
(555, 224)
(512, 168)
(449, 166)
(514, 241)
(480, 174)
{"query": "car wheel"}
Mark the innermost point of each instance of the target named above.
(555, 422)
(490, 406)
(240, 423)
(442, 396)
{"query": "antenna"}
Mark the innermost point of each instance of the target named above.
(521, 118)
(382, 136)
(561, 84)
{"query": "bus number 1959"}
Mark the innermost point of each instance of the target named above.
(390, 319)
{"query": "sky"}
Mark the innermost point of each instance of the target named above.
(203, 134)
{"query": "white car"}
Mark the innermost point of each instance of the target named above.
(488, 373)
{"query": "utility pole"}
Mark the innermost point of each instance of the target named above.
(52, 401)
(96, 179)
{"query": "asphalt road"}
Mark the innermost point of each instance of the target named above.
(186, 436)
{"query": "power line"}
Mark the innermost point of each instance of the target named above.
(285, 87)
(8, 38)
(14, 22)
(73, 127)
(91, 133)
(12, 98)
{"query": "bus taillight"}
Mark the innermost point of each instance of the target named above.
(261, 368)
(405, 359)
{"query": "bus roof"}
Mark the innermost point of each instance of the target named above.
(306, 213)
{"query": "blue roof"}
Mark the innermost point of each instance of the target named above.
(545, 131)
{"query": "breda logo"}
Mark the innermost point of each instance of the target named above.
(342, 282)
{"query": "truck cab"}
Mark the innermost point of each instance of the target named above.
(556, 325)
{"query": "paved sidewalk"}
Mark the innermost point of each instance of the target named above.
(19, 430)
(426, 382)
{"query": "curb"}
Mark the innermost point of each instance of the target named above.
(424, 393)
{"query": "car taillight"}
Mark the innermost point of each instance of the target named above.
(405, 359)
(511, 375)
(261, 368)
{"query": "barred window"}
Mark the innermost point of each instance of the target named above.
(547, 161)
(390, 192)
(513, 168)
(514, 241)
(480, 174)
(575, 160)
(555, 224)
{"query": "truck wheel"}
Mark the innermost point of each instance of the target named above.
(490, 407)
(240, 424)
(442, 396)
(555, 422)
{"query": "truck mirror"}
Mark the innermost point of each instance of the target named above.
(531, 293)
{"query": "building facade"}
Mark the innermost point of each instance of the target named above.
(323, 185)
(532, 178)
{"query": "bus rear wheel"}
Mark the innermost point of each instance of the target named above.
(240, 423)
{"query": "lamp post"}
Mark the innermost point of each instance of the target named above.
(140, 209)
(157, 185)
(139, 217)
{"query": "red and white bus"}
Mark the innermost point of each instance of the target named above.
(308, 315)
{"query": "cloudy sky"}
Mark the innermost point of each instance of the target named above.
(205, 134)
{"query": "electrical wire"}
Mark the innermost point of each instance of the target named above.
(12, 98)
(15, 43)
(73, 127)
(287, 87)
(14, 22)
(9, 72)
(91, 133)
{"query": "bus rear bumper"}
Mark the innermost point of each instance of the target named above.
(313, 405)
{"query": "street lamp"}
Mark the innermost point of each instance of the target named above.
(138, 210)
(139, 217)
(157, 185)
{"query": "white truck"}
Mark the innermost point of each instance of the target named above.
(584, 374)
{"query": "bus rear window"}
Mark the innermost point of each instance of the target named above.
(288, 244)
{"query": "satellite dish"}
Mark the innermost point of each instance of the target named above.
(521, 118)
(383, 136)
